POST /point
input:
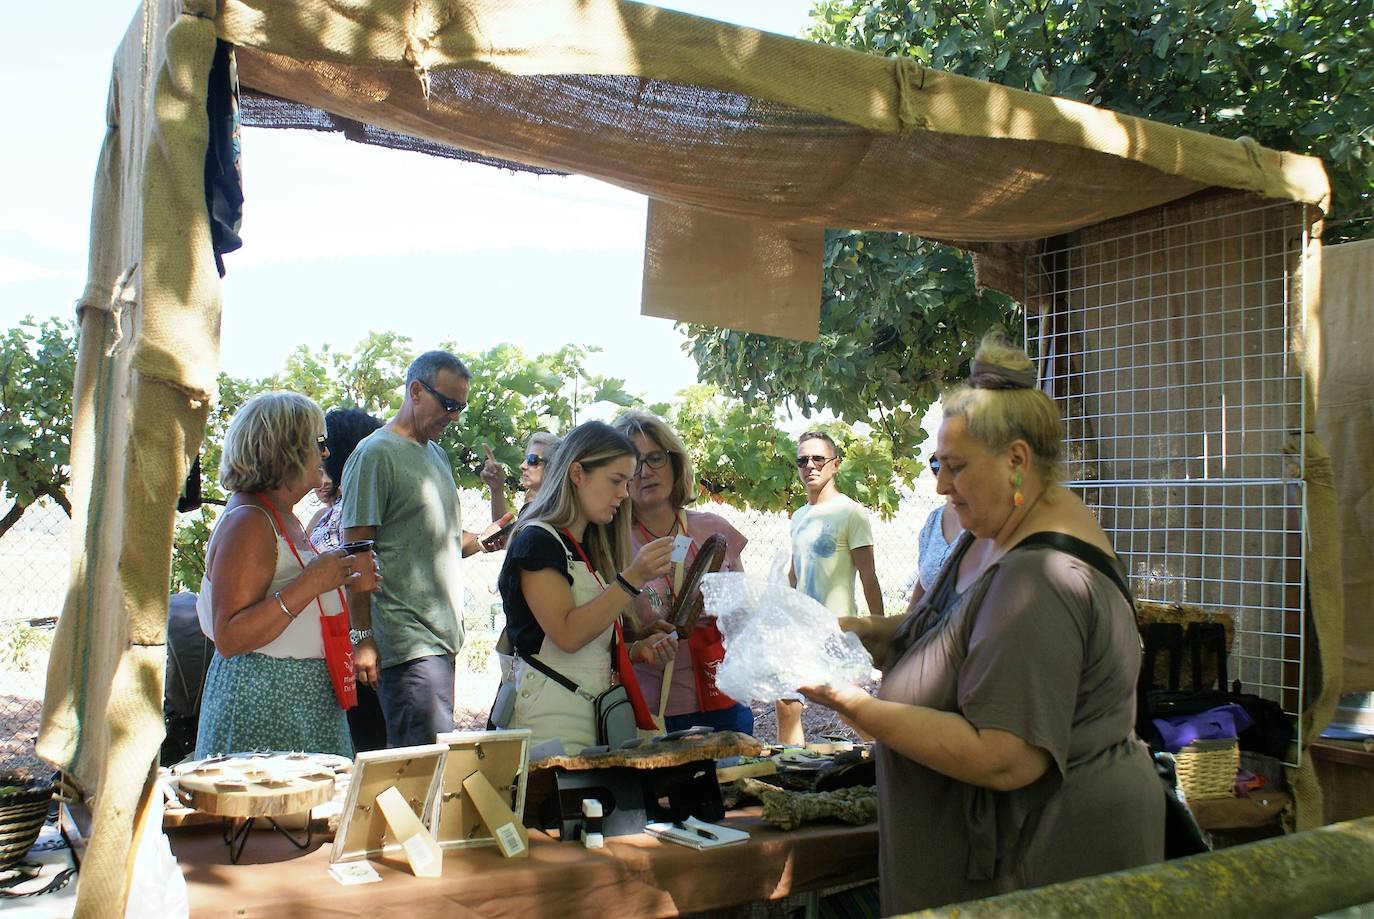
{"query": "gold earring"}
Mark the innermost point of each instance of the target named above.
(1016, 497)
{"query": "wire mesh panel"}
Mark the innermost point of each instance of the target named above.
(1169, 341)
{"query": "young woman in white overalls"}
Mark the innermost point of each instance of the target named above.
(566, 587)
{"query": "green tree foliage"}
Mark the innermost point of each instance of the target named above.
(900, 316)
(37, 365)
(513, 395)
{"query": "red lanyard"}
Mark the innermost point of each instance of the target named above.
(586, 561)
(281, 528)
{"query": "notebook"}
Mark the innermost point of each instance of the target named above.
(697, 834)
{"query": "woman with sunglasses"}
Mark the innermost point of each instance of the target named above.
(537, 453)
(265, 589)
(566, 585)
(662, 487)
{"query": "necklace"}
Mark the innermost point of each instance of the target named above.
(652, 535)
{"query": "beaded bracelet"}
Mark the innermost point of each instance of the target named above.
(629, 588)
(282, 603)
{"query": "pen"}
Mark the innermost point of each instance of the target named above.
(704, 834)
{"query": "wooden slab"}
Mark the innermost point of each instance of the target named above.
(257, 784)
(246, 796)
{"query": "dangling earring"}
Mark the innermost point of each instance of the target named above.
(1016, 497)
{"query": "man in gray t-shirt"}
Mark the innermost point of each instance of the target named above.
(398, 489)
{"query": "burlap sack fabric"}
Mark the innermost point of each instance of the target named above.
(1345, 423)
(754, 139)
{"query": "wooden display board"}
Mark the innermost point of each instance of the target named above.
(258, 784)
(503, 758)
(413, 771)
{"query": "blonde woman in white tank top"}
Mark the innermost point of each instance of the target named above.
(265, 589)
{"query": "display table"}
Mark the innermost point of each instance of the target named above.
(631, 876)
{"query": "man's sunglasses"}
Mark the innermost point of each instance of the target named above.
(533, 459)
(804, 461)
(452, 406)
(656, 460)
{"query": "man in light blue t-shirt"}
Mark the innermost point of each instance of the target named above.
(831, 542)
(398, 489)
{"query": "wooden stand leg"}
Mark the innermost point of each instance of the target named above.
(421, 851)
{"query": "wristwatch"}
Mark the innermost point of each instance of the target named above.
(357, 635)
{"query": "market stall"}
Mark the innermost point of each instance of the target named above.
(749, 146)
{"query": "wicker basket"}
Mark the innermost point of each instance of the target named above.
(1207, 768)
(23, 808)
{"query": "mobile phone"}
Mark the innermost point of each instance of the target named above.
(498, 535)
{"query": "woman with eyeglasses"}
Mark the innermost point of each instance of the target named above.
(662, 487)
(265, 589)
(567, 583)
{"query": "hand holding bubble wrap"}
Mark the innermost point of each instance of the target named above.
(778, 638)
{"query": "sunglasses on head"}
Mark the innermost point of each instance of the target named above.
(655, 460)
(322, 442)
(804, 461)
(533, 459)
(452, 406)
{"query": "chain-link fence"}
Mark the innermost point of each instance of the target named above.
(34, 569)
(33, 583)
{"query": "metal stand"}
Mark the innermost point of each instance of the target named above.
(235, 834)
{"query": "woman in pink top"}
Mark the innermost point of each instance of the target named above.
(661, 488)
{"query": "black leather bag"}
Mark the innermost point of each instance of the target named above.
(614, 715)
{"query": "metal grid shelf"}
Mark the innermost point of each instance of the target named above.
(1168, 342)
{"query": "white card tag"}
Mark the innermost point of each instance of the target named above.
(681, 545)
(420, 856)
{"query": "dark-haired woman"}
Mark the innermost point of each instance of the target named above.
(344, 429)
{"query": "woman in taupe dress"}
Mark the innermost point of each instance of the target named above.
(1006, 753)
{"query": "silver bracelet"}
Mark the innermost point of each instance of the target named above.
(282, 603)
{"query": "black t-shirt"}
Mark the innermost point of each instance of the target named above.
(532, 549)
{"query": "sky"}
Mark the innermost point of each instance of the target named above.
(342, 239)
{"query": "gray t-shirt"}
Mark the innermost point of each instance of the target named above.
(406, 490)
(1044, 646)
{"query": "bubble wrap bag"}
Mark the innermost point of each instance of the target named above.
(777, 638)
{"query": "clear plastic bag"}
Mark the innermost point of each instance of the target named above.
(777, 638)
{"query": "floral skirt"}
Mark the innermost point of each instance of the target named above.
(256, 702)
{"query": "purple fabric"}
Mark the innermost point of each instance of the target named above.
(1214, 724)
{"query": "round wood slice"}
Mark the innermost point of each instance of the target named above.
(688, 604)
(254, 793)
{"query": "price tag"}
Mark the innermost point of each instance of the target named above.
(508, 838)
(681, 545)
(420, 856)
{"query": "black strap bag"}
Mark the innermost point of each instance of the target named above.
(1182, 835)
